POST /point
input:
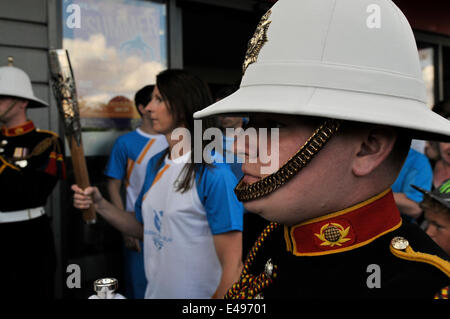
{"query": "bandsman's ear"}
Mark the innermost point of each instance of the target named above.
(141, 109)
(376, 145)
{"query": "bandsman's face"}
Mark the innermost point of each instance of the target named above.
(5, 104)
(314, 190)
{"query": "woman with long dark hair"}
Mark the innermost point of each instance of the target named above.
(187, 213)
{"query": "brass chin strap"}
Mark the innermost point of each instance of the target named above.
(270, 183)
(8, 109)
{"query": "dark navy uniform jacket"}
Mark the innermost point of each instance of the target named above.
(365, 251)
(31, 162)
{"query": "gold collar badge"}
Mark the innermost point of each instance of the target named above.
(333, 234)
(257, 41)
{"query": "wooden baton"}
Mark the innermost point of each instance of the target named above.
(64, 89)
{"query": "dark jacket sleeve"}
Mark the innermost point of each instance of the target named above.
(30, 186)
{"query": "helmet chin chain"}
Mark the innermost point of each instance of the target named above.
(8, 109)
(270, 183)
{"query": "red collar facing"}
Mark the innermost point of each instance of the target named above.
(344, 230)
(18, 130)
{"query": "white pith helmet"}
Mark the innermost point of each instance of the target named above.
(353, 60)
(15, 82)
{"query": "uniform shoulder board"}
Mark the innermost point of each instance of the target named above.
(44, 145)
(400, 248)
(48, 132)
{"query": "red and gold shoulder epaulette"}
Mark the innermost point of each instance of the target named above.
(47, 131)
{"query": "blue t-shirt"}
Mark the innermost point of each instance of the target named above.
(128, 160)
(415, 171)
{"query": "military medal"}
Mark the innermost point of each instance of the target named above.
(20, 152)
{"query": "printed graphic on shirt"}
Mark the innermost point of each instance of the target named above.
(158, 239)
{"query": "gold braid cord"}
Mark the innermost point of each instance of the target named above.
(250, 286)
(270, 183)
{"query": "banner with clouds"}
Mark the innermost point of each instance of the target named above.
(116, 47)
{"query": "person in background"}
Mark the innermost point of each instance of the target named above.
(127, 166)
(187, 214)
(229, 137)
(31, 163)
(432, 147)
(253, 223)
(436, 206)
(442, 166)
(416, 170)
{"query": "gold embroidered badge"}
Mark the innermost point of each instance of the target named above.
(257, 41)
(333, 234)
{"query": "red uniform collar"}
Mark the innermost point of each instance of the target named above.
(18, 130)
(344, 230)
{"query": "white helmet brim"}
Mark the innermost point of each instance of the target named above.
(353, 106)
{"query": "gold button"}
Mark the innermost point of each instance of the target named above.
(399, 243)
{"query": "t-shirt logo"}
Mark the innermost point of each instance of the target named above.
(158, 239)
(157, 219)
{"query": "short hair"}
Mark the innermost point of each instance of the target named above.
(143, 96)
(401, 147)
(434, 206)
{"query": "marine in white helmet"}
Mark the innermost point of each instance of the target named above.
(347, 96)
(31, 163)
